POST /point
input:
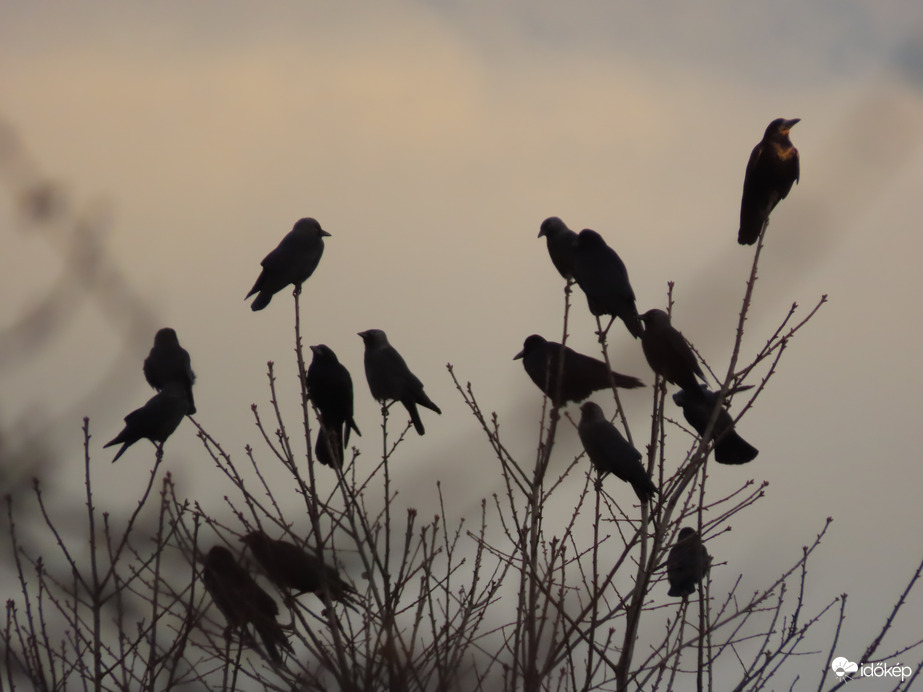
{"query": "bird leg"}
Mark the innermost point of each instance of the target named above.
(604, 332)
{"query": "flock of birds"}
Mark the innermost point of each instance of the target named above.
(563, 374)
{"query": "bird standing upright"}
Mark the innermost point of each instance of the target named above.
(668, 354)
(156, 420)
(389, 377)
(169, 362)
(600, 272)
(730, 447)
(580, 377)
(611, 453)
(560, 245)
(687, 563)
(242, 601)
(771, 171)
(330, 389)
(294, 259)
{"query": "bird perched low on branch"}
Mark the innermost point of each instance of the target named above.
(580, 377)
(330, 389)
(600, 272)
(730, 447)
(169, 362)
(156, 420)
(292, 262)
(390, 379)
(668, 354)
(687, 563)
(771, 171)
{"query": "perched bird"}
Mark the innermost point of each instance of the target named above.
(668, 354)
(169, 362)
(560, 245)
(291, 567)
(730, 448)
(242, 601)
(771, 171)
(687, 563)
(581, 376)
(330, 389)
(156, 420)
(292, 262)
(390, 378)
(600, 272)
(612, 453)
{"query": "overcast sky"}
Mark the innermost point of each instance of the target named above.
(431, 139)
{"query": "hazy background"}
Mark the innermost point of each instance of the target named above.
(431, 139)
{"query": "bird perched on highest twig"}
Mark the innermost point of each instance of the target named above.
(771, 171)
(687, 563)
(291, 567)
(169, 362)
(730, 448)
(611, 453)
(292, 262)
(580, 377)
(330, 389)
(668, 354)
(560, 245)
(600, 272)
(156, 420)
(389, 377)
(243, 602)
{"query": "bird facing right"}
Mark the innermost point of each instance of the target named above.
(687, 563)
(390, 379)
(771, 171)
(292, 261)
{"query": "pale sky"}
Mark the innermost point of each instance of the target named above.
(431, 139)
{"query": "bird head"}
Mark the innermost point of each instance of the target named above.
(530, 344)
(309, 225)
(374, 337)
(551, 226)
(590, 412)
(165, 337)
(655, 318)
(323, 352)
(780, 127)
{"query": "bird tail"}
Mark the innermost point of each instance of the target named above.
(626, 381)
(328, 449)
(634, 325)
(120, 438)
(273, 639)
(424, 400)
(734, 449)
(262, 300)
(411, 407)
(682, 590)
(350, 425)
(751, 225)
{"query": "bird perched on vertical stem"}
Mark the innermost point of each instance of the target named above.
(243, 602)
(292, 262)
(291, 567)
(600, 272)
(389, 377)
(330, 389)
(169, 362)
(771, 171)
(611, 453)
(687, 563)
(668, 354)
(156, 420)
(580, 377)
(730, 447)
(560, 241)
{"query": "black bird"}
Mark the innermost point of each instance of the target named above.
(390, 379)
(612, 453)
(730, 448)
(291, 567)
(292, 262)
(687, 563)
(560, 245)
(330, 389)
(582, 375)
(771, 171)
(668, 354)
(242, 601)
(600, 272)
(169, 362)
(156, 420)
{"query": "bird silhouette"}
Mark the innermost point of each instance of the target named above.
(330, 389)
(169, 362)
(668, 354)
(600, 272)
(560, 241)
(156, 420)
(687, 563)
(730, 447)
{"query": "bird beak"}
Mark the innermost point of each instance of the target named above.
(789, 124)
(541, 233)
(324, 233)
(313, 349)
(520, 354)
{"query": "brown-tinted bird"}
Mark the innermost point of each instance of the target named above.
(560, 245)
(242, 601)
(600, 272)
(730, 448)
(581, 376)
(687, 563)
(156, 420)
(771, 171)
(612, 453)
(169, 362)
(668, 354)
(291, 567)
(389, 377)
(330, 389)
(292, 262)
